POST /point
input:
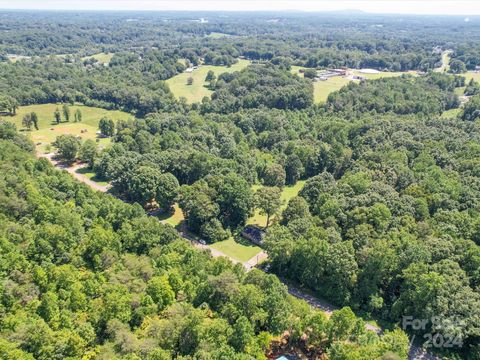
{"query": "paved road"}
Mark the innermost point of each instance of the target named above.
(415, 353)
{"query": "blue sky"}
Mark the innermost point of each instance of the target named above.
(447, 7)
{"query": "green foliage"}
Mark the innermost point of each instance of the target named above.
(471, 110)
(310, 73)
(57, 116)
(257, 86)
(67, 147)
(220, 201)
(167, 188)
(106, 126)
(428, 95)
(88, 152)
(457, 66)
(267, 199)
(78, 115)
(66, 112)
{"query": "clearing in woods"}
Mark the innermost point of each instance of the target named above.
(103, 58)
(321, 89)
(197, 91)
(49, 130)
(288, 192)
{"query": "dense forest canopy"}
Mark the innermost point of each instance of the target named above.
(84, 273)
(386, 221)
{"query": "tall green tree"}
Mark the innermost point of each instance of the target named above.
(57, 116)
(106, 126)
(67, 147)
(78, 115)
(268, 200)
(88, 152)
(66, 112)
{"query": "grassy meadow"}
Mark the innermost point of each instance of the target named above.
(103, 58)
(195, 92)
(239, 251)
(321, 89)
(49, 130)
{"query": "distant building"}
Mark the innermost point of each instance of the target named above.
(358, 77)
(189, 70)
(253, 233)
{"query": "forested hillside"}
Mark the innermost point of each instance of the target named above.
(347, 142)
(86, 275)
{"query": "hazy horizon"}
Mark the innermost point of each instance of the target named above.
(422, 7)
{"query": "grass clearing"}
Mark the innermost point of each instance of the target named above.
(217, 35)
(239, 251)
(288, 193)
(103, 58)
(471, 75)
(174, 218)
(452, 113)
(49, 130)
(89, 174)
(197, 91)
(321, 89)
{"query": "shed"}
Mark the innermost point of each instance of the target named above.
(253, 233)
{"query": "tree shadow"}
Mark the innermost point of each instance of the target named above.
(86, 170)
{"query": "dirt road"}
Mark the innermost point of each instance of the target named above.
(73, 170)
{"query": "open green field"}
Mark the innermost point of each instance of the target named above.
(197, 91)
(236, 250)
(175, 218)
(452, 113)
(49, 130)
(287, 193)
(217, 35)
(321, 89)
(103, 58)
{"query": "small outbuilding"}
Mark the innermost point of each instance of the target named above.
(254, 233)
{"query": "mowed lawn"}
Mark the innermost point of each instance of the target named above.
(236, 250)
(175, 218)
(321, 89)
(49, 130)
(89, 174)
(288, 193)
(197, 91)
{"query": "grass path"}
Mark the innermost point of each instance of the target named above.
(445, 62)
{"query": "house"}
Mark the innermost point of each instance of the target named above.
(253, 233)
